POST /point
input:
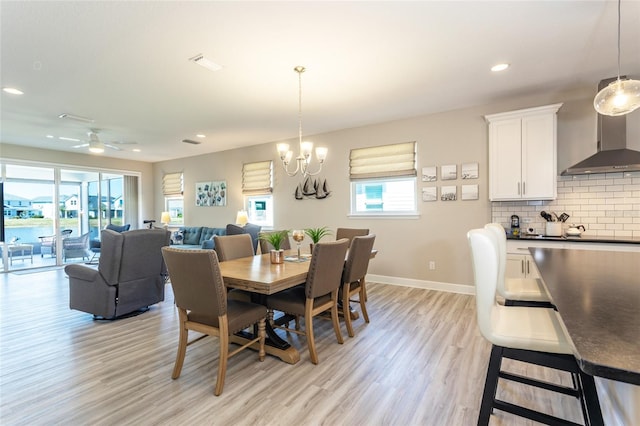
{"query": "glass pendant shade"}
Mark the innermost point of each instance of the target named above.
(619, 98)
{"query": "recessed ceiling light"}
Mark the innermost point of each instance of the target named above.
(500, 67)
(136, 150)
(205, 62)
(49, 136)
(63, 138)
(200, 135)
(12, 90)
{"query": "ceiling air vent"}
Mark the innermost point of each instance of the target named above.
(192, 142)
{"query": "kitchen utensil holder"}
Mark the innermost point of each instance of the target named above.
(554, 229)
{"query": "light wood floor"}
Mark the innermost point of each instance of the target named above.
(421, 361)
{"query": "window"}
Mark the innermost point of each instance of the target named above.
(257, 185)
(383, 180)
(172, 188)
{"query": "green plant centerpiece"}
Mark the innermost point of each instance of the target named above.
(316, 234)
(276, 239)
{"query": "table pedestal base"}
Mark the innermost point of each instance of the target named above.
(289, 355)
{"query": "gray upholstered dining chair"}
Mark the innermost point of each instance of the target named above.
(349, 233)
(528, 334)
(249, 228)
(230, 247)
(266, 247)
(319, 294)
(516, 291)
(353, 277)
(203, 307)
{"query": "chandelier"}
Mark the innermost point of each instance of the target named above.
(304, 157)
(620, 97)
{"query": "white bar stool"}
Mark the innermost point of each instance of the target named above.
(529, 334)
(517, 291)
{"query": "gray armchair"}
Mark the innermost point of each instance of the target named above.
(130, 275)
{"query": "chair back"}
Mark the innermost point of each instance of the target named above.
(131, 256)
(230, 247)
(266, 247)
(196, 281)
(325, 269)
(484, 255)
(349, 233)
(501, 241)
(118, 228)
(358, 258)
(66, 232)
(249, 228)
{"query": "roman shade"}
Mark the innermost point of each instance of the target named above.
(383, 161)
(172, 184)
(257, 178)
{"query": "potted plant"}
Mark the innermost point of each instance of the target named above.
(316, 234)
(275, 239)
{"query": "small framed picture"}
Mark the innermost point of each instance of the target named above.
(448, 193)
(449, 172)
(469, 192)
(469, 171)
(429, 174)
(429, 193)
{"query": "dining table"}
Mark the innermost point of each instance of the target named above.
(257, 275)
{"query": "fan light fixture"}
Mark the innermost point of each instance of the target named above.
(620, 97)
(95, 145)
(304, 157)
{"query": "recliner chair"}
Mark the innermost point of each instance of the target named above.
(130, 276)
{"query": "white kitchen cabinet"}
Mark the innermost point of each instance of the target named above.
(521, 266)
(522, 154)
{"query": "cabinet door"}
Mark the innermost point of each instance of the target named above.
(539, 165)
(515, 267)
(505, 156)
(531, 269)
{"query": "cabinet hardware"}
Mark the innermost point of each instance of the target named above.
(518, 188)
(524, 188)
(522, 266)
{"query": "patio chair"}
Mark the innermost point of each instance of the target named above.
(76, 247)
(48, 242)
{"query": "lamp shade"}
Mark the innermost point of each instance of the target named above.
(165, 218)
(619, 98)
(242, 218)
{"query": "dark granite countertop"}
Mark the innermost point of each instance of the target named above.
(597, 294)
(580, 239)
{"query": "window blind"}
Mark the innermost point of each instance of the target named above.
(383, 161)
(257, 177)
(172, 184)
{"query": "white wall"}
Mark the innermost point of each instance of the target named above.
(405, 245)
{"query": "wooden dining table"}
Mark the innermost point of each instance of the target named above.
(256, 274)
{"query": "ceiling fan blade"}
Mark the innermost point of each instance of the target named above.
(124, 142)
(113, 147)
(81, 145)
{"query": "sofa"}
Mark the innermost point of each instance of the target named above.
(201, 237)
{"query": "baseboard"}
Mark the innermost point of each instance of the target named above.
(427, 285)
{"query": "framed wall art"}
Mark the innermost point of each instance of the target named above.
(212, 193)
(429, 174)
(469, 171)
(449, 172)
(469, 192)
(448, 193)
(429, 193)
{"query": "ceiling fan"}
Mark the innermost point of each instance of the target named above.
(95, 145)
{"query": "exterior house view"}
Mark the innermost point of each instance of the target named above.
(164, 129)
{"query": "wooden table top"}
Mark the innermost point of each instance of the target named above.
(597, 294)
(257, 274)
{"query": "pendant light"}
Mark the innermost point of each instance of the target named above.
(304, 157)
(620, 97)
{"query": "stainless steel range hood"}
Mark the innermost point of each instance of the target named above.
(613, 154)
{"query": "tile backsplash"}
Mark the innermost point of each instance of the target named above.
(606, 204)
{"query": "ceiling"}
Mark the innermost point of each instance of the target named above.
(125, 65)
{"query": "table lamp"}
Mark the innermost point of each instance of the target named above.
(242, 218)
(165, 218)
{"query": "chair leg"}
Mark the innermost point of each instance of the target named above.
(224, 354)
(334, 315)
(490, 385)
(182, 345)
(346, 288)
(591, 404)
(308, 324)
(363, 299)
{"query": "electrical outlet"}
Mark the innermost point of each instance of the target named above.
(432, 265)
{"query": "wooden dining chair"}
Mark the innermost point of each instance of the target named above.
(349, 233)
(527, 334)
(319, 294)
(203, 306)
(353, 278)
